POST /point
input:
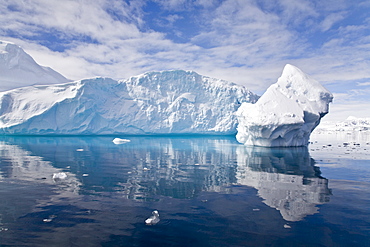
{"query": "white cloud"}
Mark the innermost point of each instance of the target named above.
(244, 41)
(330, 20)
(363, 84)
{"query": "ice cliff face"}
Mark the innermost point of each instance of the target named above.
(286, 113)
(170, 102)
(18, 69)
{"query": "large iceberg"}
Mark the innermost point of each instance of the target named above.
(18, 69)
(169, 102)
(286, 113)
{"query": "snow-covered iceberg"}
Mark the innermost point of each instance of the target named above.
(169, 102)
(286, 113)
(18, 69)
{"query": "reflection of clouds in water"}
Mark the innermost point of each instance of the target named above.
(22, 165)
(176, 167)
(285, 178)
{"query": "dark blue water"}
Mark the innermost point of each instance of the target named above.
(209, 191)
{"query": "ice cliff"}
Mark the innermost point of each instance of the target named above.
(169, 102)
(18, 69)
(286, 113)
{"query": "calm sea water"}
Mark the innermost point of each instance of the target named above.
(209, 191)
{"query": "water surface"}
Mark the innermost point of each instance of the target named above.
(209, 191)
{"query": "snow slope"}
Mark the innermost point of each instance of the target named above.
(286, 113)
(18, 69)
(169, 102)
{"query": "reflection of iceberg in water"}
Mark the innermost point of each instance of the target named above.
(145, 167)
(22, 165)
(285, 178)
(180, 168)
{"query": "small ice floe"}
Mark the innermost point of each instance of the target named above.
(3, 229)
(287, 226)
(146, 169)
(256, 209)
(50, 219)
(120, 141)
(80, 150)
(59, 176)
(154, 219)
(85, 175)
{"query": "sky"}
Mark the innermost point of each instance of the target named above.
(247, 42)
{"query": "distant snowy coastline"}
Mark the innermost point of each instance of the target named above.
(351, 124)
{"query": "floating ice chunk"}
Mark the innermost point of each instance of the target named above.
(286, 113)
(120, 141)
(50, 219)
(287, 226)
(154, 219)
(59, 176)
(80, 150)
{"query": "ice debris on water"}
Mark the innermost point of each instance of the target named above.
(287, 226)
(3, 229)
(59, 176)
(120, 141)
(50, 219)
(154, 219)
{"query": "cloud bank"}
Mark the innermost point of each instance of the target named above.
(244, 41)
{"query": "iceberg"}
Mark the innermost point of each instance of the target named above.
(286, 113)
(19, 69)
(167, 102)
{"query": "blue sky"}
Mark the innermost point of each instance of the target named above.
(244, 41)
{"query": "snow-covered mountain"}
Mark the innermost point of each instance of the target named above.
(18, 69)
(169, 102)
(286, 113)
(348, 125)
